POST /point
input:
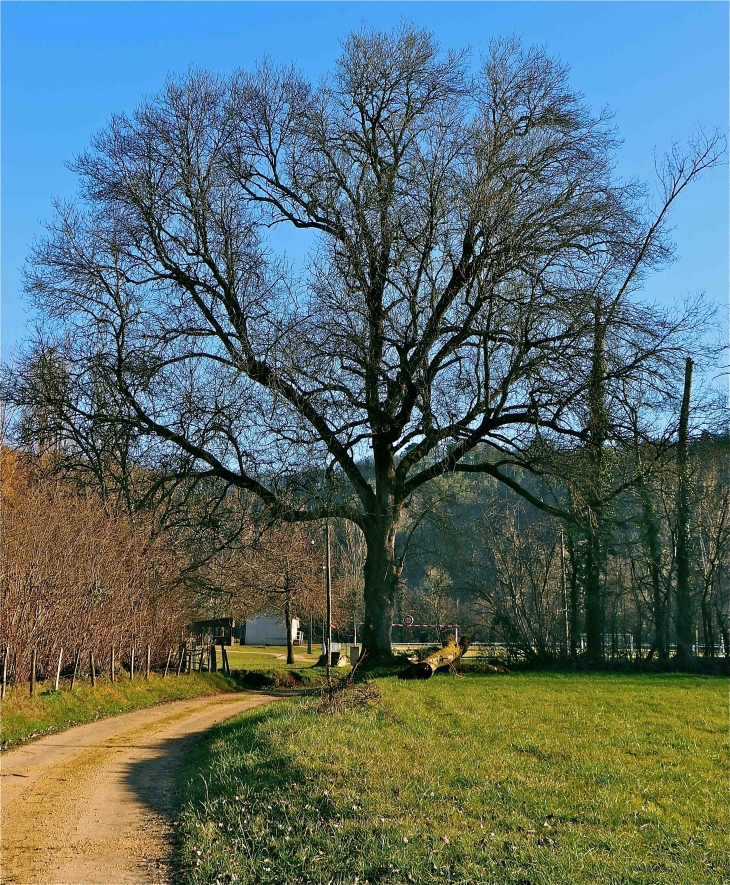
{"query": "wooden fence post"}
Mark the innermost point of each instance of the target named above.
(131, 666)
(32, 672)
(5, 671)
(181, 659)
(224, 661)
(167, 665)
(76, 667)
(147, 675)
(58, 670)
(91, 668)
(111, 665)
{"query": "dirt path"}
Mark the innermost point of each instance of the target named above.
(91, 805)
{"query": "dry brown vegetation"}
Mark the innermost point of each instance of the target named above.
(78, 575)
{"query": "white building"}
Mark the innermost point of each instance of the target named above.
(268, 629)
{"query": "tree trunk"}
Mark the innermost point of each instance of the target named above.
(684, 603)
(707, 633)
(381, 582)
(425, 669)
(594, 597)
(651, 539)
(597, 433)
(574, 599)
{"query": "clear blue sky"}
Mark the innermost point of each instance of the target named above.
(661, 67)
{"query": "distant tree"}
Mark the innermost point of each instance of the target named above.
(461, 228)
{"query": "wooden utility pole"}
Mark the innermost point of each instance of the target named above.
(328, 573)
(32, 672)
(287, 615)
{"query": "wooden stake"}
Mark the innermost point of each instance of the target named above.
(131, 666)
(183, 649)
(91, 669)
(5, 671)
(32, 672)
(58, 670)
(76, 667)
(167, 665)
(111, 665)
(147, 675)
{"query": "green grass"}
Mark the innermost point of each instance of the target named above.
(23, 718)
(261, 667)
(544, 779)
(268, 657)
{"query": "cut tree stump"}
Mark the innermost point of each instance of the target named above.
(444, 657)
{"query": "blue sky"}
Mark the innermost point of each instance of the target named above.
(661, 67)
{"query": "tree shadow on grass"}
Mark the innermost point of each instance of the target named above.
(182, 786)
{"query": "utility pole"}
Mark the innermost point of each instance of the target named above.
(328, 574)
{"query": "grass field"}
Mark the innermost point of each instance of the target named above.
(252, 656)
(532, 778)
(23, 717)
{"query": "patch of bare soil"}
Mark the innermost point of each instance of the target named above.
(94, 803)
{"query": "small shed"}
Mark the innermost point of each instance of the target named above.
(270, 629)
(220, 630)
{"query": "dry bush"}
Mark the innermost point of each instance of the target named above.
(77, 575)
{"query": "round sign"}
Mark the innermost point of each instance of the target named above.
(408, 621)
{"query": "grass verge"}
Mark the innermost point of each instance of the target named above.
(528, 779)
(266, 667)
(23, 718)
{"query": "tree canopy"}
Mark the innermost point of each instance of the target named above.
(467, 238)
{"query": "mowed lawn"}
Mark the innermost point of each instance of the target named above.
(527, 778)
(255, 657)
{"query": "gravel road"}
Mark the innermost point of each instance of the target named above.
(93, 804)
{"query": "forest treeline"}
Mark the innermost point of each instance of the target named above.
(81, 571)
(514, 575)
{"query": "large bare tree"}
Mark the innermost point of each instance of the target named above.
(461, 225)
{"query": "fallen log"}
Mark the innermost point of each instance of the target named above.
(425, 669)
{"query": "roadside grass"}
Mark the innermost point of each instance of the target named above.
(269, 656)
(546, 779)
(23, 718)
(266, 667)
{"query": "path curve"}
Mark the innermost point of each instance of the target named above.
(92, 804)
